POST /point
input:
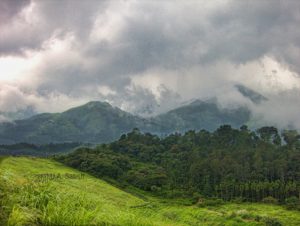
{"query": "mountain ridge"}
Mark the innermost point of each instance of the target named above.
(100, 122)
(86, 123)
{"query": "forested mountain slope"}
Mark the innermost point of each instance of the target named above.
(227, 163)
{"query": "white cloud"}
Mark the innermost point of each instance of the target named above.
(147, 57)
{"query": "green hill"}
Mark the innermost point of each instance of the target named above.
(98, 122)
(93, 122)
(36, 191)
(201, 115)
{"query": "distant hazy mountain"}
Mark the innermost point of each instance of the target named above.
(92, 122)
(97, 122)
(201, 115)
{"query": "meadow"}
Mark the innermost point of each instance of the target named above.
(38, 191)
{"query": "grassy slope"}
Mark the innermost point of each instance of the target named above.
(90, 201)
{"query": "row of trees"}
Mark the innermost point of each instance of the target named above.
(227, 163)
(38, 150)
(257, 191)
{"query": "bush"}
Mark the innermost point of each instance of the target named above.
(210, 202)
(257, 218)
(171, 216)
(292, 203)
(271, 221)
(238, 200)
(173, 194)
(155, 188)
(244, 214)
(270, 200)
(195, 197)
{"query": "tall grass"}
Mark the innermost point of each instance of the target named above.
(89, 201)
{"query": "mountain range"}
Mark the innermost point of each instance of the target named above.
(98, 122)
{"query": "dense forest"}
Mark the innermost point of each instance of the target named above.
(230, 164)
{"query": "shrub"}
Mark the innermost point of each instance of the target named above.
(171, 216)
(257, 218)
(195, 197)
(238, 200)
(271, 221)
(292, 203)
(174, 194)
(270, 200)
(210, 202)
(155, 188)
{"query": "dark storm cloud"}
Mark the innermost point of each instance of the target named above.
(249, 29)
(10, 8)
(172, 34)
(43, 19)
(70, 15)
(177, 35)
(126, 51)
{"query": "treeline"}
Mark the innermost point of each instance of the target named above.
(227, 163)
(39, 150)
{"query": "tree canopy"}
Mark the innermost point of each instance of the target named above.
(227, 163)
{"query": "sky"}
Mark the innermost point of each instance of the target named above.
(150, 56)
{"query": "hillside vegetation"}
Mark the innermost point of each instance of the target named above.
(38, 191)
(228, 164)
(39, 150)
